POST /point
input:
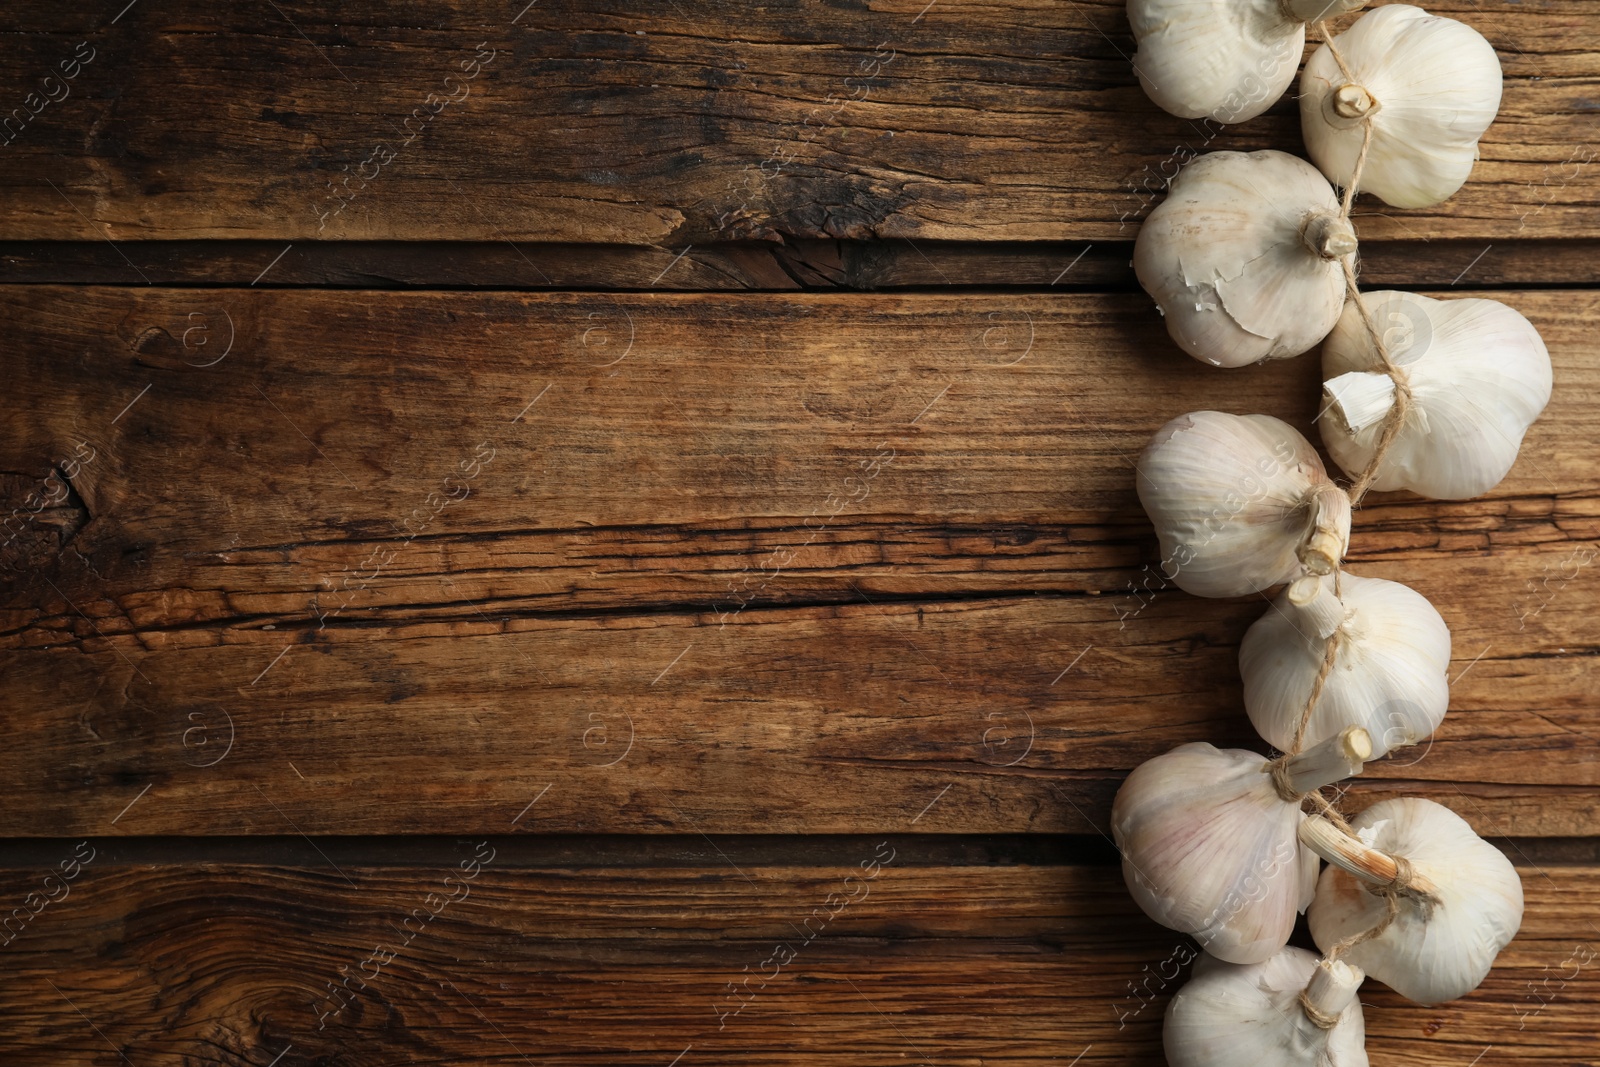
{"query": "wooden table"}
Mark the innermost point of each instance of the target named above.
(605, 534)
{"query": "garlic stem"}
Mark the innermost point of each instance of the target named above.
(1333, 986)
(1329, 536)
(1353, 102)
(1359, 398)
(1316, 10)
(1312, 595)
(1350, 854)
(1340, 756)
(1329, 236)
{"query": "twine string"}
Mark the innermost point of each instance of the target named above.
(1338, 56)
(1329, 655)
(1321, 1018)
(1394, 419)
(1401, 407)
(1326, 809)
(1391, 894)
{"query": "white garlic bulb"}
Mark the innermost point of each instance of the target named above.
(1209, 844)
(1479, 376)
(1251, 1015)
(1390, 670)
(1242, 257)
(1461, 906)
(1429, 85)
(1228, 60)
(1240, 503)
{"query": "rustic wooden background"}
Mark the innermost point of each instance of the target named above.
(594, 533)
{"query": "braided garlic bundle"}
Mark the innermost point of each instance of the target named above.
(1342, 667)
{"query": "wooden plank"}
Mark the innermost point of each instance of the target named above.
(969, 120)
(270, 541)
(803, 719)
(741, 408)
(928, 964)
(797, 264)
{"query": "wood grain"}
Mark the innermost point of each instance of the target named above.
(692, 122)
(917, 964)
(688, 593)
(254, 542)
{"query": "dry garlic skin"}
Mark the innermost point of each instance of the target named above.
(1433, 951)
(1479, 375)
(1241, 258)
(1231, 1015)
(1209, 849)
(1236, 500)
(1228, 60)
(1430, 85)
(1390, 673)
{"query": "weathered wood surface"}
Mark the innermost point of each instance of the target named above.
(797, 264)
(596, 575)
(413, 602)
(904, 964)
(686, 123)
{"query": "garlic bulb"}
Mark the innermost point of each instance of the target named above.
(1429, 85)
(1208, 843)
(1242, 257)
(1240, 503)
(1227, 60)
(1479, 376)
(1461, 905)
(1390, 670)
(1251, 1015)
